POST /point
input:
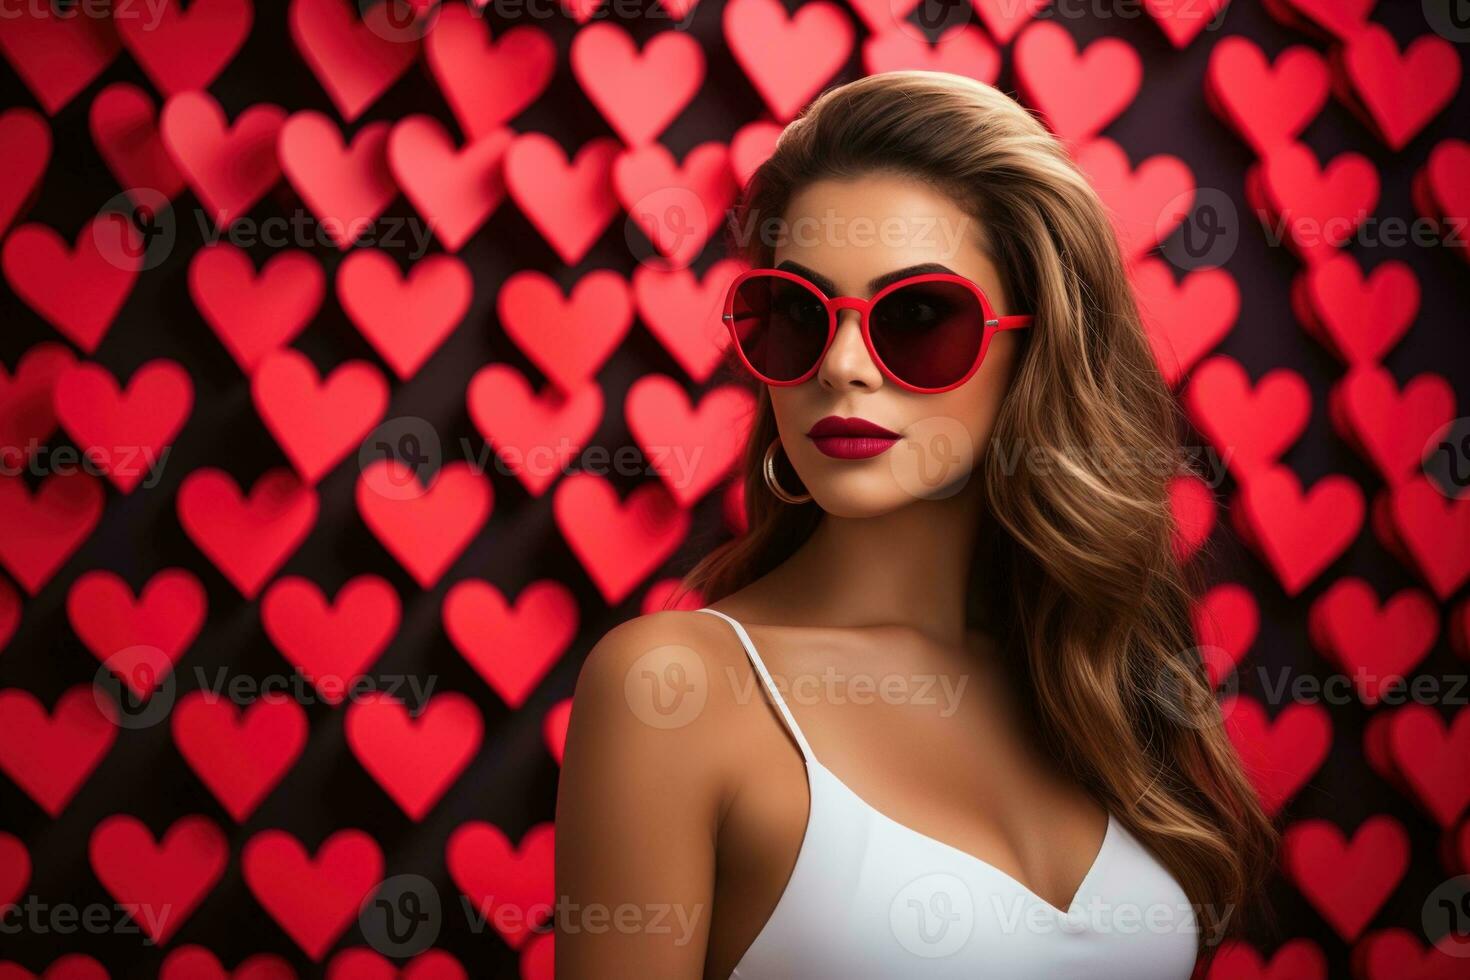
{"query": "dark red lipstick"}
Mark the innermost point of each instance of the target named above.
(852, 438)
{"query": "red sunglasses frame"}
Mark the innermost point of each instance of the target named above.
(835, 304)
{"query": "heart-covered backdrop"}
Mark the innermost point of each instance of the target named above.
(341, 308)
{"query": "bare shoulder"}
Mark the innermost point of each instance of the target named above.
(664, 685)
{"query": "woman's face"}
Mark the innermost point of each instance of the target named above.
(843, 235)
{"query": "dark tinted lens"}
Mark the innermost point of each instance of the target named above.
(781, 325)
(929, 333)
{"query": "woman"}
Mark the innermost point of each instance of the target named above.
(944, 714)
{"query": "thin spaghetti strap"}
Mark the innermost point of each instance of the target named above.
(770, 685)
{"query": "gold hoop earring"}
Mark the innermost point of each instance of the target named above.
(774, 484)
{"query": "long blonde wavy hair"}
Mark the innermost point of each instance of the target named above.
(1088, 594)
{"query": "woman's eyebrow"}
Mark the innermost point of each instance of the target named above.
(914, 270)
(815, 278)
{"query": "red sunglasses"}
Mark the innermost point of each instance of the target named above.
(927, 333)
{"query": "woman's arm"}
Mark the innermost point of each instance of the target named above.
(637, 809)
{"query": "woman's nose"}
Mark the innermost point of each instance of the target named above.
(847, 363)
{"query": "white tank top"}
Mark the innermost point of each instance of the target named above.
(872, 898)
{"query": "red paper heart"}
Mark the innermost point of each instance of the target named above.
(1389, 954)
(665, 594)
(1434, 532)
(247, 539)
(512, 647)
(487, 83)
(25, 148)
(1298, 534)
(454, 188)
(425, 529)
(960, 50)
(414, 758)
(1003, 18)
(638, 92)
(571, 205)
(619, 543)
(1401, 92)
(554, 728)
(1185, 319)
(239, 753)
(360, 963)
(1339, 18)
(39, 532)
(684, 313)
(139, 639)
(80, 290)
(1279, 754)
(1079, 93)
(567, 338)
(229, 167)
(355, 60)
(198, 963)
(331, 644)
(162, 882)
(690, 448)
(1361, 317)
(313, 899)
(752, 146)
(535, 436)
(1390, 427)
(317, 423)
(1183, 22)
(405, 318)
(1193, 505)
(57, 53)
(27, 401)
(9, 616)
(1251, 425)
(1269, 104)
(787, 56)
(124, 126)
(1315, 209)
(677, 206)
(1377, 645)
(15, 868)
(1433, 758)
(1226, 621)
(181, 49)
(1298, 959)
(126, 434)
(1346, 881)
(1444, 182)
(72, 966)
(1145, 203)
(345, 187)
(511, 887)
(252, 313)
(50, 756)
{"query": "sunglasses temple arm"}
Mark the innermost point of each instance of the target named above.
(1012, 322)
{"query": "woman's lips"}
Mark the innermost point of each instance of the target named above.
(852, 438)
